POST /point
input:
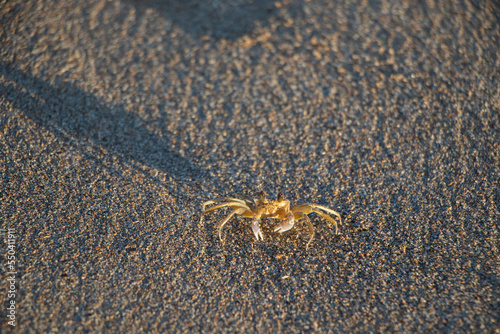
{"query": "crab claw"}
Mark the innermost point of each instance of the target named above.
(286, 224)
(256, 230)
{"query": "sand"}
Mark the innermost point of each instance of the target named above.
(118, 119)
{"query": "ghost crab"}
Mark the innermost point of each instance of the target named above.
(265, 208)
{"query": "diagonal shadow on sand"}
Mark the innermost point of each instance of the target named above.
(74, 114)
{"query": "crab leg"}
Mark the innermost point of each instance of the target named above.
(308, 208)
(286, 224)
(298, 216)
(227, 199)
(256, 229)
(330, 211)
(222, 223)
(330, 219)
(234, 205)
(309, 226)
(248, 200)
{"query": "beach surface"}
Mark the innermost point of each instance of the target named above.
(118, 119)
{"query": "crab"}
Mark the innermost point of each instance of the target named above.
(264, 208)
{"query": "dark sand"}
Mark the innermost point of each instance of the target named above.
(118, 119)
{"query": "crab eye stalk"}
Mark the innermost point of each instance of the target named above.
(281, 197)
(263, 197)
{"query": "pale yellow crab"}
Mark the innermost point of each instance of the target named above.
(264, 208)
